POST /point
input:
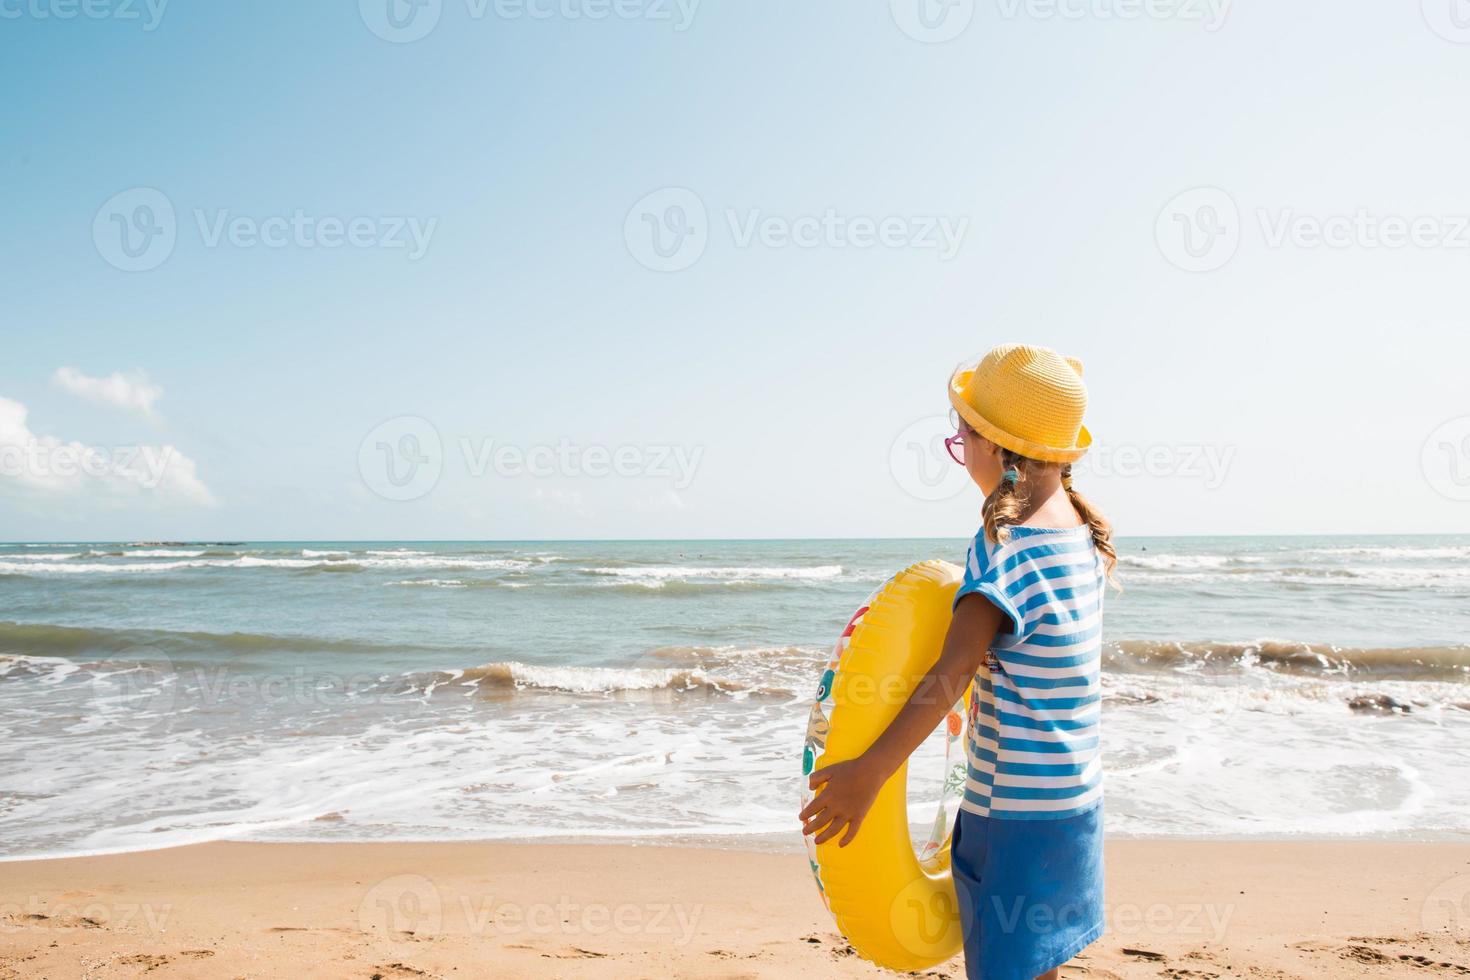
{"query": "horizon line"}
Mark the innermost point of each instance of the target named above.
(222, 541)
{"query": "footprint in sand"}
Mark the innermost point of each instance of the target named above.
(575, 953)
(1363, 954)
(1358, 951)
(1144, 954)
(727, 954)
(66, 921)
(1437, 965)
(9, 967)
(148, 961)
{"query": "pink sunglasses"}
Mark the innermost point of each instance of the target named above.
(955, 446)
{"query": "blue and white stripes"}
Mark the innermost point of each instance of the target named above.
(1032, 746)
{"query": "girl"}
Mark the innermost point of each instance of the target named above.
(1027, 846)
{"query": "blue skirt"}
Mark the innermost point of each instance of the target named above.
(1030, 891)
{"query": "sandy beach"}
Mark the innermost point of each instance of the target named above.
(1177, 909)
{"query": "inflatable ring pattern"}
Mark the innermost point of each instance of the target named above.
(897, 907)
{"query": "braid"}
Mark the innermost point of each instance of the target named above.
(1102, 531)
(1007, 504)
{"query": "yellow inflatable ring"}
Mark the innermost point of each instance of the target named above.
(897, 907)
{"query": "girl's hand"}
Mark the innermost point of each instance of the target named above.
(848, 791)
(849, 788)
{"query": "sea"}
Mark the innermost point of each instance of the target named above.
(163, 693)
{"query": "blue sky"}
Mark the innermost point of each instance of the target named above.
(1247, 219)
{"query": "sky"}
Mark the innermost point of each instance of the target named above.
(528, 269)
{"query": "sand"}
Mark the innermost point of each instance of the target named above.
(1177, 909)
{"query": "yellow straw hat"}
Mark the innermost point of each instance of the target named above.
(1027, 399)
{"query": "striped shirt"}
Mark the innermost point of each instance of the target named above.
(1032, 748)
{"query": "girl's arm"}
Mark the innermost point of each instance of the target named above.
(849, 788)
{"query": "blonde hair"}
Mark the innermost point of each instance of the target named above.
(1006, 506)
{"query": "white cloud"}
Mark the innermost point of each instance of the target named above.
(46, 467)
(131, 392)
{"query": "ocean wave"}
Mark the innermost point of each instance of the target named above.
(459, 583)
(328, 564)
(724, 657)
(405, 561)
(48, 670)
(85, 568)
(512, 675)
(1438, 578)
(1446, 663)
(633, 586)
(1411, 576)
(45, 639)
(744, 572)
(733, 672)
(1169, 562)
(630, 587)
(597, 680)
(1395, 552)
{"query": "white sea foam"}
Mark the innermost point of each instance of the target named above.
(742, 572)
(445, 561)
(1175, 561)
(1325, 576)
(1195, 760)
(576, 699)
(46, 670)
(1394, 552)
(1277, 756)
(591, 680)
(449, 562)
(84, 568)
